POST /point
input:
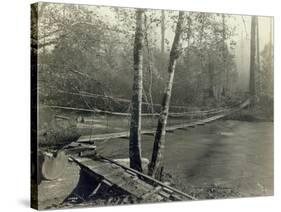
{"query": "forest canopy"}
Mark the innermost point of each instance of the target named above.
(89, 50)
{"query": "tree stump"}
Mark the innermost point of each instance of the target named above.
(52, 165)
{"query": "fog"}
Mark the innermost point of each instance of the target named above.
(241, 23)
(242, 38)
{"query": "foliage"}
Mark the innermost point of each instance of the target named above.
(90, 49)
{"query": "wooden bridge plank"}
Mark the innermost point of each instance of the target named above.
(116, 174)
(152, 192)
(164, 194)
(135, 187)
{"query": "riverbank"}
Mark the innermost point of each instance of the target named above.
(262, 112)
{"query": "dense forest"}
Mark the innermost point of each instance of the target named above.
(86, 54)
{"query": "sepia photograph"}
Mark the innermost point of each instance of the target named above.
(135, 106)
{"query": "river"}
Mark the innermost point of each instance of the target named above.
(233, 154)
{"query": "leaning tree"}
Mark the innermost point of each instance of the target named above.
(155, 164)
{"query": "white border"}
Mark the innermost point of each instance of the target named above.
(14, 87)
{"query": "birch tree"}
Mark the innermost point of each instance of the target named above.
(159, 140)
(135, 126)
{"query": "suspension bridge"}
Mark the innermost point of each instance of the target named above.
(110, 175)
(194, 117)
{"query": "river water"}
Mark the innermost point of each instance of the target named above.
(233, 154)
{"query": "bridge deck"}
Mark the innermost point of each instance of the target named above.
(135, 183)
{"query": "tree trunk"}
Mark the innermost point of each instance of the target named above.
(252, 87)
(211, 76)
(201, 58)
(162, 31)
(270, 33)
(135, 127)
(225, 69)
(271, 51)
(187, 59)
(150, 67)
(159, 140)
(258, 77)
